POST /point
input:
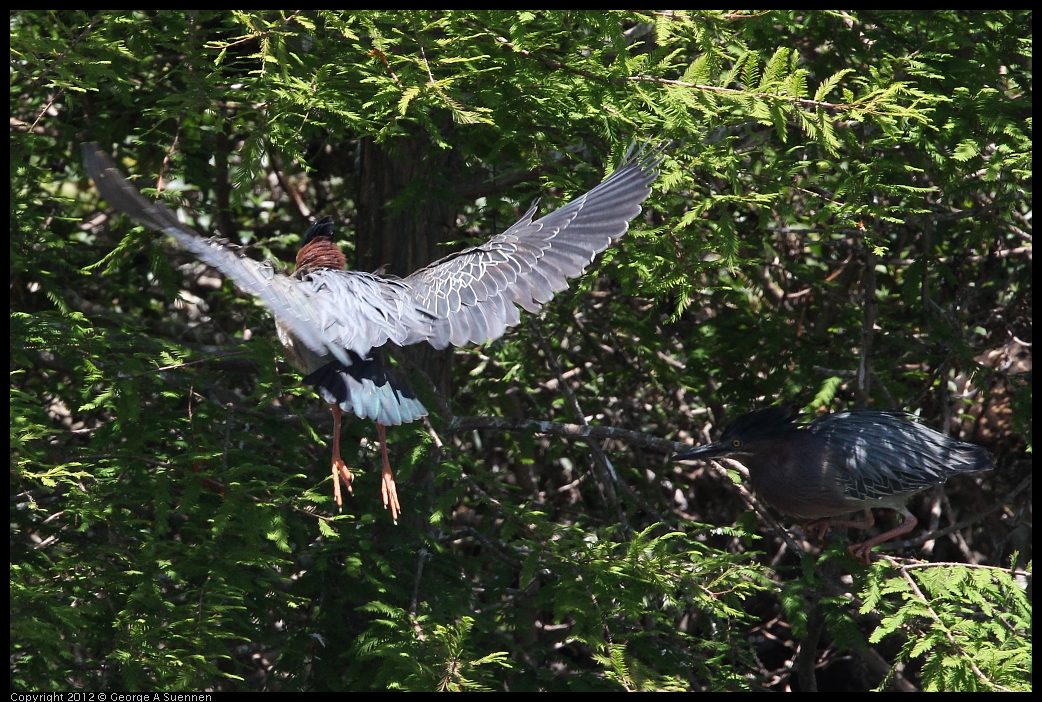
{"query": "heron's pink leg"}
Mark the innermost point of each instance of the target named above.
(340, 469)
(862, 551)
(387, 486)
(816, 528)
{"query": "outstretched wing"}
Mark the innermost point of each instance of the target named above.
(327, 310)
(474, 295)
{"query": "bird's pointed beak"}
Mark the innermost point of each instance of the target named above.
(701, 452)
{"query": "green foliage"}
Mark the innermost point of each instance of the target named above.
(415, 654)
(172, 526)
(972, 625)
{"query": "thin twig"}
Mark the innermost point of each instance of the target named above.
(578, 431)
(414, 602)
(605, 472)
(864, 369)
(62, 55)
(739, 93)
(759, 508)
(255, 35)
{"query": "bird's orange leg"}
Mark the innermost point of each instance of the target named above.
(863, 551)
(387, 486)
(340, 469)
(816, 528)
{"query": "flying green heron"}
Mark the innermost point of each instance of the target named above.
(841, 463)
(332, 320)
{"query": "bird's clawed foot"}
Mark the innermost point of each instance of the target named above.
(388, 489)
(861, 552)
(816, 529)
(390, 494)
(340, 470)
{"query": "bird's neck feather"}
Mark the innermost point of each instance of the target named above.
(791, 477)
(321, 253)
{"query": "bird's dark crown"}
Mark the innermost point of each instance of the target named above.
(761, 423)
(752, 426)
(322, 229)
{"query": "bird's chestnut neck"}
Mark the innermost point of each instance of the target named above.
(321, 252)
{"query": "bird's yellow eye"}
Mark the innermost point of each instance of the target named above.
(737, 443)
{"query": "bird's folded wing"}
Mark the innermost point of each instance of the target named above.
(894, 455)
(474, 295)
(299, 305)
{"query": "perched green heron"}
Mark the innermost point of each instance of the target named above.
(331, 320)
(841, 463)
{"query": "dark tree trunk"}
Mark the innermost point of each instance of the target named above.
(406, 210)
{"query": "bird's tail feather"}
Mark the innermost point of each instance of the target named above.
(368, 389)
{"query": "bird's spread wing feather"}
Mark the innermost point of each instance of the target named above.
(327, 310)
(474, 295)
(893, 455)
